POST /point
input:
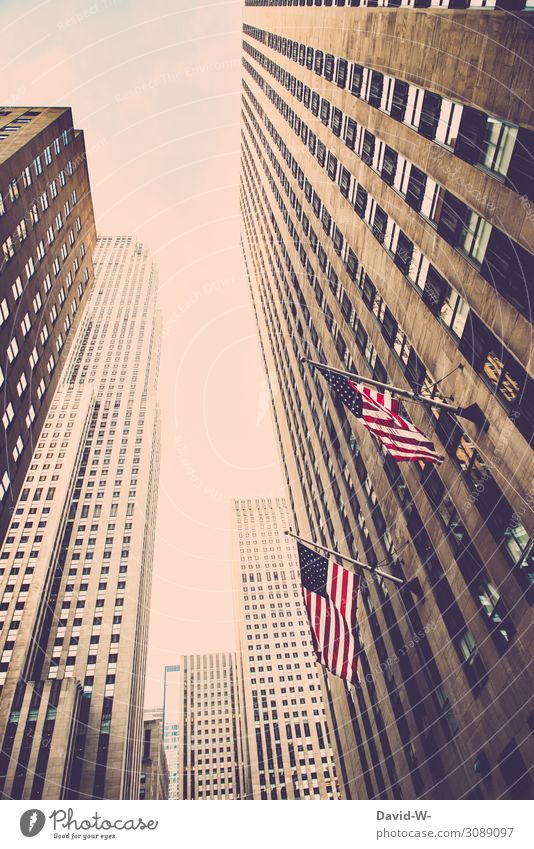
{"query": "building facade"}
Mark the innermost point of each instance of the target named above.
(76, 565)
(47, 233)
(171, 724)
(154, 782)
(211, 764)
(387, 182)
(287, 742)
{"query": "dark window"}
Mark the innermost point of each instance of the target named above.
(415, 370)
(318, 62)
(350, 133)
(428, 122)
(344, 181)
(337, 119)
(369, 291)
(471, 133)
(360, 201)
(332, 166)
(356, 81)
(375, 89)
(434, 291)
(400, 98)
(389, 326)
(404, 253)
(416, 188)
(341, 73)
(329, 63)
(509, 266)
(452, 218)
(380, 224)
(515, 773)
(520, 174)
(352, 264)
(389, 165)
(475, 342)
(368, 147)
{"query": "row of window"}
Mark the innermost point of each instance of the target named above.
(465, 645)
(281, 334)
(499, 259)
(511, 5)
(492, 505)
(512, 386)
(36, 168)
(451, 606)
(503, 149)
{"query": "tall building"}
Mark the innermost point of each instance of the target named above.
(154, 782)
(171, 724)
(289, 753)
(47, 233)
(387, 189)
(76, 566)
(211, 762)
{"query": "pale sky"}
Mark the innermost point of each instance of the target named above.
(155, 85)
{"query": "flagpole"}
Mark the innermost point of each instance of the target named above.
(469, 413)
(386, 575)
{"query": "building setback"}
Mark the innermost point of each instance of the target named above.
(47, 233)
(76, 566)
(286, 735)
(210, 761)
(154, 784)
(386, 189)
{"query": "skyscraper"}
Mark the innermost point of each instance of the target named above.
(171, 724)
(387, 183)
(288, 748)
(154, 782)
(76, 566)
(210, 722)
(47, 233)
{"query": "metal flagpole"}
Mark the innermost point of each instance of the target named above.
(472, 413)
(386, 575)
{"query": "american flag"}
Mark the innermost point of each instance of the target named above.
(331, 595)
(380, 415)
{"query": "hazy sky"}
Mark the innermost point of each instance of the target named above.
(155, 85)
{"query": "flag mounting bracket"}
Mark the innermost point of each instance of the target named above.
(357, 563)
(472, 413)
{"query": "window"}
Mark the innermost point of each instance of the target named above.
(350, 133)
(516, 163)
(475, 236)
(472, 662)
(497, 146)
(375, 89)
(341, 73)
(508, 267)
(389, 165)
(471, 134)
(416, 188)
(356, 80)
(430, 111)
(452, 218)
(399, 101)
(404, 253)
(515, 772)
